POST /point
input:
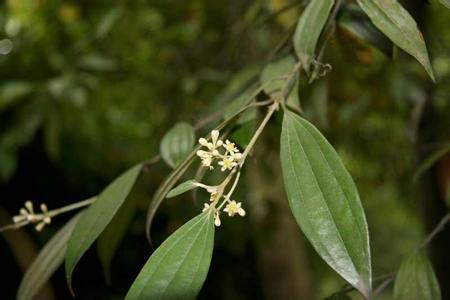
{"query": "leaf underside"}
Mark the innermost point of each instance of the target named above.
(47, 262)
(97, 217)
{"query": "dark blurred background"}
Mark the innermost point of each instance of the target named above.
(88, 88)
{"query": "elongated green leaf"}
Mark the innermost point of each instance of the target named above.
(49, 259)
(109, 240)
(107, 21)
(355, 21)
(239, 102)
(274, 79)
(182, 188)
(97, 217)
(177, 144)
(325, 201)
(446, 3)
(416, 280)
(178, 268)
(12, 91)
(309, 27)
(398, 25)
(273, 76)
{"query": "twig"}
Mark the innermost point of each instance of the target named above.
(439, 227)
(384, 285)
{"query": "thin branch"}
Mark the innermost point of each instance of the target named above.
(439, 227)
(384, 285)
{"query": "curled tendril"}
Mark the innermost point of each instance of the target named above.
(320, 69)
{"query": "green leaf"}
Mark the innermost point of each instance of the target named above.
(325, 201)
(416, 280)
(177, 144)
(47, 262)
(338, 296)
(355, 21)
(243, 134)
(446, 3)
(164, 188)
(182, 188)
(8, 163)
(178, 268)
(239, 103)
(274, 79)
(107, 22)
(109, 240)
(273, 76)
(97, 217)
(398, 25)
(309, 27)
(97, 63)
(239, 82)
(12, 91)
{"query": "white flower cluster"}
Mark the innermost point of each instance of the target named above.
(228, 160)
(231, 208)
(27, 214)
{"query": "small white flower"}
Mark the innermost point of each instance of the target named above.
(203, 142)
(206, 158)
(29, 207)
(19, 218)
(214, 196)
(202, 154)
(227, 163)
(233, 208)
(237, 156)
(47, 219)
(27, 214)
(217, 221)
(214, 136)
(215, 142)
(205, 207)
(230, 147)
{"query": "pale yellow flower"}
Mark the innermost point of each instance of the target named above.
(227, 163)
(233, 208)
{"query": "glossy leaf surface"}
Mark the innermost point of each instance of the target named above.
(325, 201)
(398, 25)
